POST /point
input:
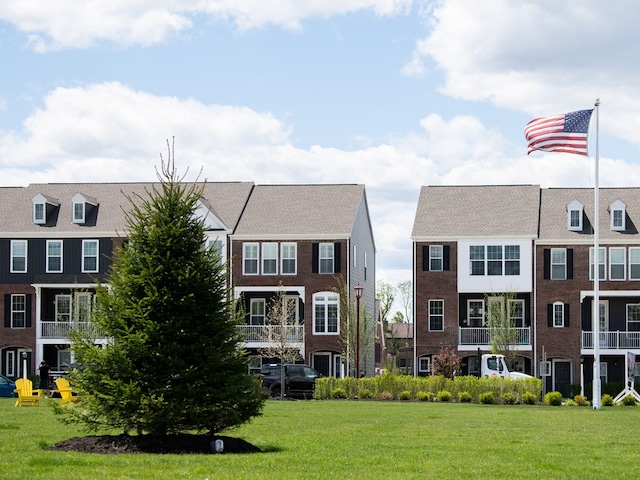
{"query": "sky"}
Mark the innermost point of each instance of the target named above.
(392, 94)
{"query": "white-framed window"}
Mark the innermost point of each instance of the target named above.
(257, 311)
(475, 313)
(476, 257)
(602, 264)
(54, 256)
(78, 212)
(604, 315)
(10, 363)
(603, 372)
(545, 368)
(326, 258)
(558, 264)
(250, 259)
(355, 255)
(558, 314)
(325, 313)
(634, 263)
(436, 258)
(574, 216)
(18, 256)
(84, 306)
(39, 215)
(18, 311)
(618, 214)
(436, 315)
(216, 245)
(633, 317)
(424, 364)
(289, 258)
(89, 256)
(494, 260)
(617, 263)
(512, 259)
(269, 258)
(63, 308)
(515, 311)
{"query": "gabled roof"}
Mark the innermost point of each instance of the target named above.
(553, 213)
(476, 211)
(287, 211)
(228, 198)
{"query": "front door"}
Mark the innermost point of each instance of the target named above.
(561, 376)
(322, 363)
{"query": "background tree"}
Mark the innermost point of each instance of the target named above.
(447, 363)
(502, 311)
(174, 362)
(385, 294)
(405, 290)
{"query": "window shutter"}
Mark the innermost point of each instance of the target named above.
(315, 257)
(7, 310)
(549, 314)
(336, 257)
(569, 263)
(566, 314)
(445, 257)
(300, 309)
(547, 263)
(425, 258)
(28, 310)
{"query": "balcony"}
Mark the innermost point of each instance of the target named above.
(481, 336)
(61, 329)
(270, 334)
(618, 340)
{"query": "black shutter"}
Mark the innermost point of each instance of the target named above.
(315, 256)
(300, 309)
(7, 310)
(336, 257)
(547, 264)
(445, 257)
(549, 314)
(425, 258)
(566, 314)
(28, 312)
(569, 263)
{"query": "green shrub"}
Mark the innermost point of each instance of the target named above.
(607, 400)
(486, 398)
(529, 398)
(570, 403)
(581, 400)
(386, 395)
(629, 401)
(464, 397)
(424, 396)
(443, 396)
(508, 398)
(404, 395)
(553, 398)
(573, 389)
(338, 393)
(365, 393)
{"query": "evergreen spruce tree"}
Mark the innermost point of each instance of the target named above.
(173, 363)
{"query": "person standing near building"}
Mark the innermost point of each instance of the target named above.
(44, 376)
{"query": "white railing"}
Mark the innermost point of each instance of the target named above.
(482, 336)
(613, 340)
(272, 333)
(61, 329)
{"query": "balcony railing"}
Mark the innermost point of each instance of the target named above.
(272, 333)
(482, 336)
(618, 340)
(61, 329)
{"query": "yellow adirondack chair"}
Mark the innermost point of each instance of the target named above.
(67, 394)
(27, 396)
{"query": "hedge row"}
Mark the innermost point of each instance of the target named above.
(405, 387)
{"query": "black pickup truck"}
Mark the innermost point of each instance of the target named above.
(300, 380)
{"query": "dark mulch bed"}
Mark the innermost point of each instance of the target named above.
(180, 443)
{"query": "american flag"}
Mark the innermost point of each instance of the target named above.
(561, 133)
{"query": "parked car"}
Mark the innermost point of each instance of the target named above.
(300, 380)
(7, 387)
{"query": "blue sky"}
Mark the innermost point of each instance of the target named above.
(393, 94)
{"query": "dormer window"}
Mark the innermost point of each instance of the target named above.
(81, 204)
(618, 215)
(575, 213)
(43, 209)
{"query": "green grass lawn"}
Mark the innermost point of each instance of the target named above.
(357, 439)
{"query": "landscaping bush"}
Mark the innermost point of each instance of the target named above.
(607, 400)
(529, 398)
(581, 400)
(365, 394)
(338, 393)
(553, 398)
(464, 397)
(404, 395)
(486, 398)
(424, 396)
(570, 403)
(443, 396)
(386, 395)
(508, 398)
(629, 401)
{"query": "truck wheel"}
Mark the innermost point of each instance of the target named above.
(275, 392)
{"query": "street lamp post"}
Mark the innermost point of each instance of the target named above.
(358, 289)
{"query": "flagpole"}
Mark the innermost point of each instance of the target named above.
(596, 271)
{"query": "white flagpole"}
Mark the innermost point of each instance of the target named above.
(596, 273)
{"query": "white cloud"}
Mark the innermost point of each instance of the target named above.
(52, 25)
